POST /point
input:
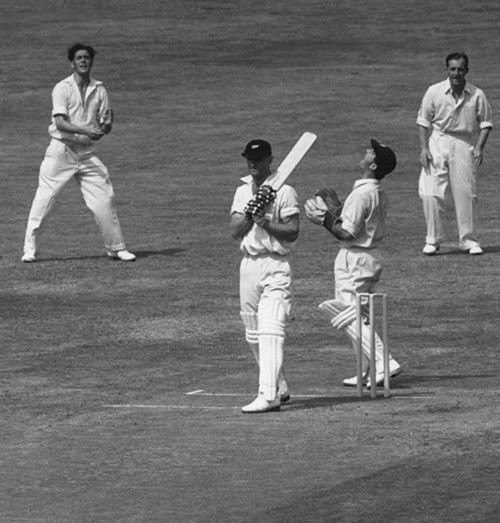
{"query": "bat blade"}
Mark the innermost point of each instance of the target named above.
(292, 159)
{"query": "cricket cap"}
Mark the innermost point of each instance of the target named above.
(256, 150)
(384, 157)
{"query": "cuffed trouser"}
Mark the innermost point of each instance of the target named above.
(452, 169)
(60, 165)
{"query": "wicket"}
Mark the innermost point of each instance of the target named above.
(372, 300)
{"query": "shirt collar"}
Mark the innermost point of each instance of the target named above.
(366, 181)
(93, 83)
(447, 87)
(248, 179)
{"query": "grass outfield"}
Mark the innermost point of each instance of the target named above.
(122, 383)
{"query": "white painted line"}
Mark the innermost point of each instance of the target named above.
(194, 392)
(327, 394)
(237, 395)
(128, 406)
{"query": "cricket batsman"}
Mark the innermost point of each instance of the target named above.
(266, 223)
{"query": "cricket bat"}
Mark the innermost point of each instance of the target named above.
(291, 160)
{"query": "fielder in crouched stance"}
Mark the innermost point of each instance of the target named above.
(267, 224)
(81, 116)
(360, 225)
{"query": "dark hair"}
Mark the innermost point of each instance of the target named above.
(78, 47)
(458, 56)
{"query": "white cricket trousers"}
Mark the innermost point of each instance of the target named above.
(357, 271)
(452, 169)
(61, 163)
(265, 299)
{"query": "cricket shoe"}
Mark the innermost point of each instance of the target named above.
(284, 397)
(283, 392)
(28, 258)
(353, 382)
(260, 404)
(395, 369)
(122, 255)
(430, 249)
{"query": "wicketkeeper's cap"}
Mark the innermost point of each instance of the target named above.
(384, 157)
(256, 150)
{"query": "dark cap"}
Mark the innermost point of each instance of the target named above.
(384, 157)
(256, 150)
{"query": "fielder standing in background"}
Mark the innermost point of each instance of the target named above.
(81, 116)
(360, 226)
(267, 224)
(454, 122)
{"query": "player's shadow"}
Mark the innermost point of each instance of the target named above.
(161, 252)
(493, 249)
(327, 401)
(138, 254)
(409, 380)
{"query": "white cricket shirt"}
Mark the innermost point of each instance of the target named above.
(258, 241)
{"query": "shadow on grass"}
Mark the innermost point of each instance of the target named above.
(493, 249)
(327, 401)
(406, 381)
(139, 254)
(162, 252)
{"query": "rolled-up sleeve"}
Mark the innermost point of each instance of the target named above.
(353, 213)
(289, 205)
(239, 201)
(484, 112)
(59, 100)
(104, 102)
(426, 111)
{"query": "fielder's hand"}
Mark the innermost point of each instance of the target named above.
(331, 200)
(94, 133)
(316, 209)
(425, 158)
(106, 121)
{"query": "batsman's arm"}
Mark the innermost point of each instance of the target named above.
(286, 230)
(239, 225)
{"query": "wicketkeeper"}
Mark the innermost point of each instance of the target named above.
(360, 226)
(267, 224)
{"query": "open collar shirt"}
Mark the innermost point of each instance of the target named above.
(364, 214)
(463, 117)
(67, 100)
(258, 241)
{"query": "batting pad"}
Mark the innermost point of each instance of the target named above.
(251, 332)
(272, 318)
(333, 308)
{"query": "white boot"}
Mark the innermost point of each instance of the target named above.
(260, 404)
